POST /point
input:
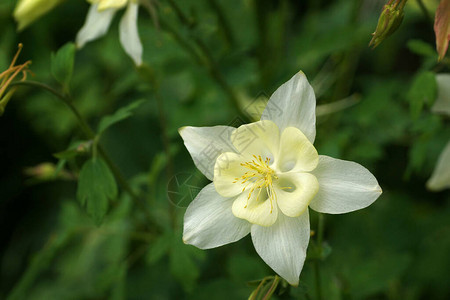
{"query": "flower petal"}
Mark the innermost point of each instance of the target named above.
(209, 222)
(205, 144)
(129, 36)
(294, 192)
(105, 4)
(227, 168)
(96, 25)
(283, 245)
(442, 103)
(296, 152)
(344, 186)
(293, 105)
(258, 138)
(440, 179)
(258, 209)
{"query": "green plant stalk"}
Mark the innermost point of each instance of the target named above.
(166, 143)
(424, 10)
(318, 282)
(90, 134)
(207, 60)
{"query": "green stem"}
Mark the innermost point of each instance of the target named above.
(272, 288)
(89, 134)
(166, 144)
(224, 24)
(207, 60)
(424, 10)
(317, 276)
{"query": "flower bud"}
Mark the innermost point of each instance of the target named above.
(28, 11)
(390, 19)
(442, 27)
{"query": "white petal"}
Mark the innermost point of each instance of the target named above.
(205, 144)
(105, 4)
(294, 192)
(258, 209)
(293, 105)
(440, 179)
(227, 168)
(344, 186)
(283, 245)
(96, 25)
(442, 104)
(129, 36)
(209, 222)
(258, 138)
(296, 153)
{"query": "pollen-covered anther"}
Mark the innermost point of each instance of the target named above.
(260, 177)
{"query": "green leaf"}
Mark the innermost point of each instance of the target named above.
(422, 91)
(159, 248)
(74, 150)
(118, 116)
(422, 48)
(95, 186)
(183, 265)
(62, 64)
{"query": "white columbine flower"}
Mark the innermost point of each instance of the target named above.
(99, 18)
(265, 175)
(440, 179)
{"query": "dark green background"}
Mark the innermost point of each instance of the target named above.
(398, 248)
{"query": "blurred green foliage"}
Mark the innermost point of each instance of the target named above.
(201, 63)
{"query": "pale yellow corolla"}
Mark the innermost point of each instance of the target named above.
(264, 177)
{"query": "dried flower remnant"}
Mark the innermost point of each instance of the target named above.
(8, 76)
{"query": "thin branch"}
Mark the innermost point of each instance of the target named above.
(89, 134)
(207, 60)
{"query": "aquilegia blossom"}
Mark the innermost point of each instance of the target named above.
(265, 175)
(99, 18)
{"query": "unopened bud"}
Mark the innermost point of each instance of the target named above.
(28, 11)
(442, 27)
(47, 171)
(390, 19)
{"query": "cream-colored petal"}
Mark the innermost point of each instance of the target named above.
(294, 192)
(95, 26)
(106, 4)
(440, 179)
(209, 222)
(205, 144)
(226, 170)
(442, 103)
(296, 153)
(283, 245)
(293, 105)
(128, 33)
(28, 11)
(257, 210)
(345, 186)
(258, 138)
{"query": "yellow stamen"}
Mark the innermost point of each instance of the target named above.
(260, 176)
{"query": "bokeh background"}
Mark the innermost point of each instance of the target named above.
(200, 62)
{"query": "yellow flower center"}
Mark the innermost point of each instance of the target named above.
(260, 177)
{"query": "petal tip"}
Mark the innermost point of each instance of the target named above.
(294, 284)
